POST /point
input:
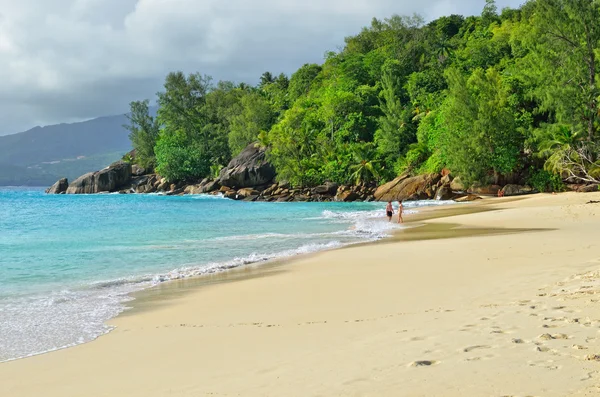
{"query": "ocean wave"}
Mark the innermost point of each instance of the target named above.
(35, 324)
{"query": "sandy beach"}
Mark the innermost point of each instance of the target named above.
(501, 301)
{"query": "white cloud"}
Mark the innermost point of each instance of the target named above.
(66, 60)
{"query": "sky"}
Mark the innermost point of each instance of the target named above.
(71, 60)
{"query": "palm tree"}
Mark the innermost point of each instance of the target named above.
(365, 168)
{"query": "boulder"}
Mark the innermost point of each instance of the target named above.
(456, 185)
(192, 189)
(162, 186)
(249, 169)
(269, 191)
(444, 193)
(85, 184)
(408, 188)
(139, 180)
(247, 192)
(60, 187)
(516, 190)
(138, 170)
(150, 188)
(231, 194)
(327, 188)
(346, 194)
(491, 190)
(113, 177)
(110, 179)
(210, 186)
(175, 192)
(574, 187)
(467, 198)
(589, 189)
(446, 180)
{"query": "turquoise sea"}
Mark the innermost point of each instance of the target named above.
(68, 262)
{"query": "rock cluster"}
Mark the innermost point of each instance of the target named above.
(110, 179)
(249, 169)
(281, 192)
(60, 187)
(250, 177)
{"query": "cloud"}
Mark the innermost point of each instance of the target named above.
(68, 60)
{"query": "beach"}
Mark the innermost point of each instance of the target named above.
(498, 301)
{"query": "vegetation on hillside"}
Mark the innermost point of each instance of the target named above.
(509, 95)
(40, 156)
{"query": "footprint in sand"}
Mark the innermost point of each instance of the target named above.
(542, 349)
(423, 363)
(549, 326)
(552, 337)
(471, 348)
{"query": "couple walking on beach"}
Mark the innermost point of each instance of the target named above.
(389, 210)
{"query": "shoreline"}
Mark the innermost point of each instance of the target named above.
(220, 270)
(145, 299)
(413, 315)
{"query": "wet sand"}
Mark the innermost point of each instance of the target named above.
(497, 299)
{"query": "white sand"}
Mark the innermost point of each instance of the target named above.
(495, 315)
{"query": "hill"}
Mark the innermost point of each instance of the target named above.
(41, 155)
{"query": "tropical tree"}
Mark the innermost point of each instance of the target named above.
(143, 132)
(365, 168)
(481, 132)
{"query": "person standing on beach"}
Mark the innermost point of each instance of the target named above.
(400, 211)
(389, 211)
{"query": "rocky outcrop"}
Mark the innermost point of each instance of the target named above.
(589, 189)
(444, 193)
(249, 169)
(490, 190)
(110, 179)
(60, 187)
(420, 187)
(457, 185)
(85, 184)
(346, 194)
(327, 188)
(247, 192)
(137, 170)
(516, 190)
(467, 198)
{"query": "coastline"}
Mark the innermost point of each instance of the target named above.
(363, 323)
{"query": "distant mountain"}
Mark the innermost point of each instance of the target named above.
(43, 154)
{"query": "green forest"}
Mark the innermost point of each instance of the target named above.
(509, 95)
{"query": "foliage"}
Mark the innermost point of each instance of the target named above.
(544, 181)
(179, 159)
(580, 163)
(255, 115)
(502, 96)
(143, 132)
(481, 137)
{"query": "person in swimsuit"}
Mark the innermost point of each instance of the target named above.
(400, 211)
(389, 211)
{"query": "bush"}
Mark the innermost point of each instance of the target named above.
(435, 163)
(178, 160)
(544, 181)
